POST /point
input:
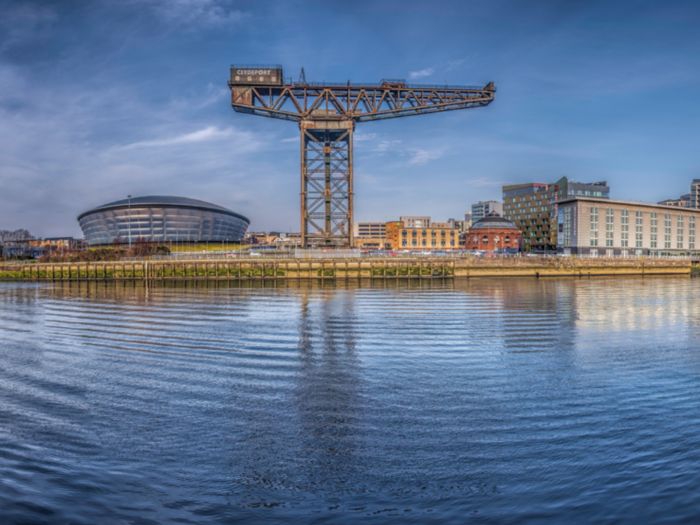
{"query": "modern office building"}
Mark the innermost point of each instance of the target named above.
(568, 189)
(432, 236)
(482, 208)
(533, 208)
(462, 226)
(370, 235)
(370, 229)
(415, 221)
(695, 193)
(161, 219)
(494, 234)
(681, 202)
(602, 227)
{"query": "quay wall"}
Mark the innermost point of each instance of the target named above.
(355, 268)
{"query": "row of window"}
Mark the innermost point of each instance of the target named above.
(433, 233)
(424, 242)
(639, 224)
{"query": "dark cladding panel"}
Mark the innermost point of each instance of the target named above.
(263, 76)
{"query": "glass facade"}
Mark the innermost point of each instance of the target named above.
(173, 220)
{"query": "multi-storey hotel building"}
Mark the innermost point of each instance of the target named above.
(533, 208)
(602, 227)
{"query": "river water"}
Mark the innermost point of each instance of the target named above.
(483, 401)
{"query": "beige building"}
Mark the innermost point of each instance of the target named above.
(432, 236)
(607, 228)
(370, 236)
(370, 229)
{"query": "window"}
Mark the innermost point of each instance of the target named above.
(667, 231)
(691, 233)
(566, 226)
(594, 227)
(654, 230)
(680, 230)
(638, 229)
(624, 227)
(609, 225)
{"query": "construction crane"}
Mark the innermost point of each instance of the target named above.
(327, 114)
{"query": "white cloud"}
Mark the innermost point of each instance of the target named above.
(384, 146)
(362, 136)
(420, 156)
(210, 95)
(421, 73)
(208, 134)
(485, 182)
(192, 14)
(455, 64)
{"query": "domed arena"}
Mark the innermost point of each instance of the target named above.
(161, 219)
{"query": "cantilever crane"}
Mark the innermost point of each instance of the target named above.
(327, 114)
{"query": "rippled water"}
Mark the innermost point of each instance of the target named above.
(484, 401)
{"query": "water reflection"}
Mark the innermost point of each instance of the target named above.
(327, 389)
(398, 402)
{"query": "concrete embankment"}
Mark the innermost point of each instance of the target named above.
(355, 268)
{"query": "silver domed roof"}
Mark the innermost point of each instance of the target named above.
(164, 201)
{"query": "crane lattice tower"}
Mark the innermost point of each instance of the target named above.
(327, 114)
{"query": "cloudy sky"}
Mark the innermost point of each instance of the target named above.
(103, 99)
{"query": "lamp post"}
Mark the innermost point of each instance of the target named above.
(129, 220)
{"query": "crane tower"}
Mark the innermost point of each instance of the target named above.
(327, 114)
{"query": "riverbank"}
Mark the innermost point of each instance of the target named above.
(331, 268)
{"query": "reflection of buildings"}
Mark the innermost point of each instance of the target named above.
(327, 395)
(525, 314)
(572, 314)
(633, 305)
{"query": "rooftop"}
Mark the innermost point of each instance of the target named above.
(629, 203)
(163, 201)
(493, 220)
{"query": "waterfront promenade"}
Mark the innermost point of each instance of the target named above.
(261, 268)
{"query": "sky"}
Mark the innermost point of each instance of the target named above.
(101, 99)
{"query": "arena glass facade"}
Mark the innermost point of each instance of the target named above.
(163, 219)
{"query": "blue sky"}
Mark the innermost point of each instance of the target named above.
(102, 99)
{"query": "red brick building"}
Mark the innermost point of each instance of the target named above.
(494, 233)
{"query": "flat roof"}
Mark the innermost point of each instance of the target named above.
(629, 203)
